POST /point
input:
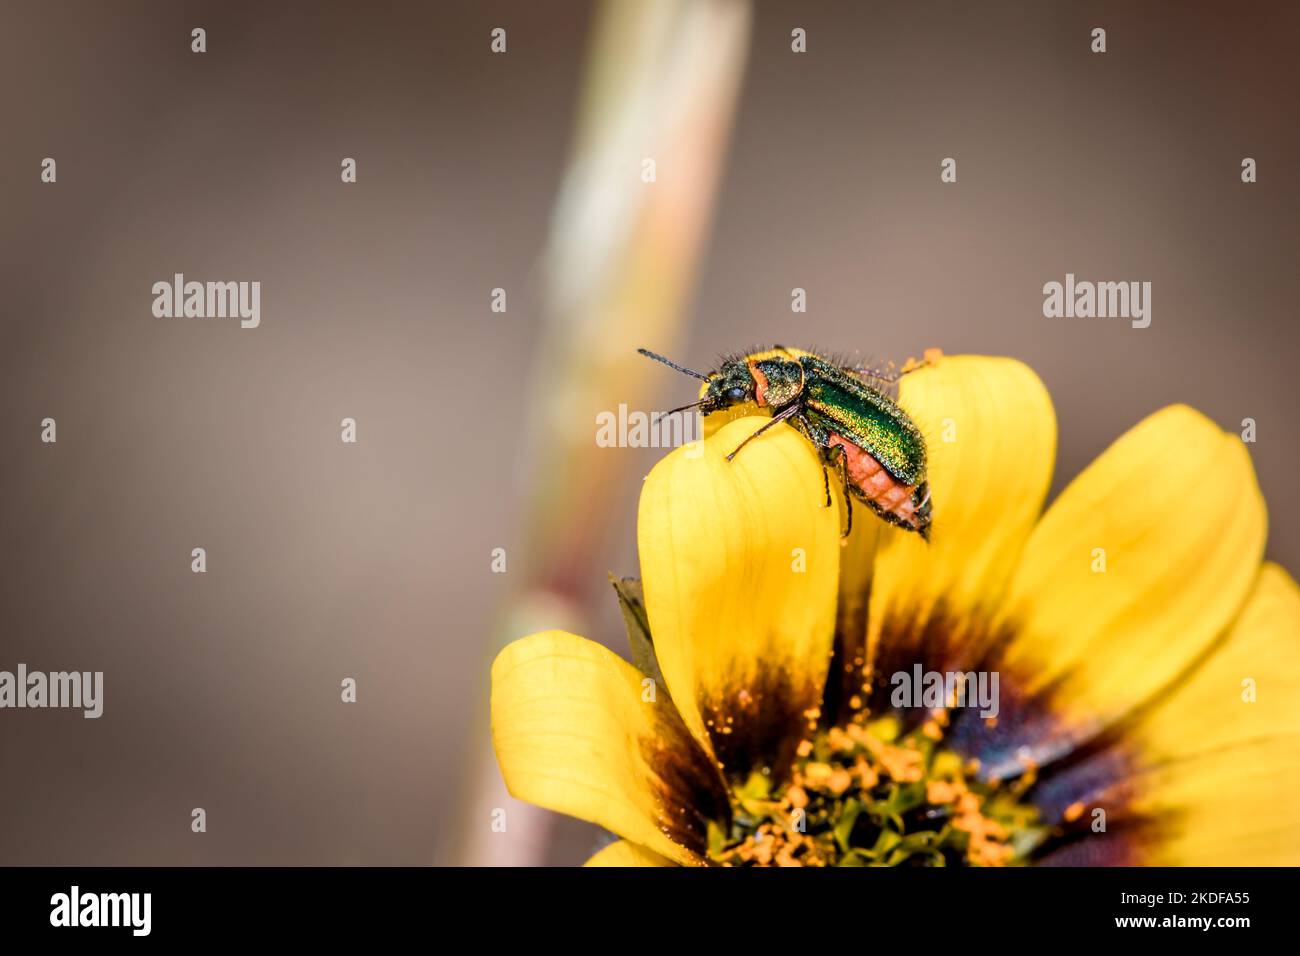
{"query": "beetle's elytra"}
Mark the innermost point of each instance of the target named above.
(844, 412)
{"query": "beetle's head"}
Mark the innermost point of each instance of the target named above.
(732, 384)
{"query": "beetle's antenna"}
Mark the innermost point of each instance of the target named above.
(659, 358)
(682, 408)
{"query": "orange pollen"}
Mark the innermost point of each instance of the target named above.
(865, 793)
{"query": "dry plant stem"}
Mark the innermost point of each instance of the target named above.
(662, 83)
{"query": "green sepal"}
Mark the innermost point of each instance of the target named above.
(631, 602)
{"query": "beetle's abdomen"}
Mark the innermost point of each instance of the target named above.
(876, 484)
(870, 420)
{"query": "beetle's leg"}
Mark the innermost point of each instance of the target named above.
(889, 373)
(928, 357)
(805, 428)
(848, 495)
(883, 378)
(843, 462)
(791, 409)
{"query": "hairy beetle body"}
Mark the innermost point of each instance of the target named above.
(854, 424)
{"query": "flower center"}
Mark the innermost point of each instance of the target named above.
(866, 795)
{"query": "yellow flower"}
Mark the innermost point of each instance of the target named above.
(1146, 660)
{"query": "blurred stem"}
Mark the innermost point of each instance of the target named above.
(661, 85)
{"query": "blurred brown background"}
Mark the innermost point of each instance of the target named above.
(372, 561)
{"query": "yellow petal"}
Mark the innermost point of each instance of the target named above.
(844, 690)
(1225, 748)
(991, 438)
(739, 561)
(1140, 564)
(576, 732)
(624, 854)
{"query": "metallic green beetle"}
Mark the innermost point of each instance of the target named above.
(845, 413)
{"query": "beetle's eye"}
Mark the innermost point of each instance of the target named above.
(736, 394)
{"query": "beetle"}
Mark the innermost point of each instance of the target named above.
(844, 412)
